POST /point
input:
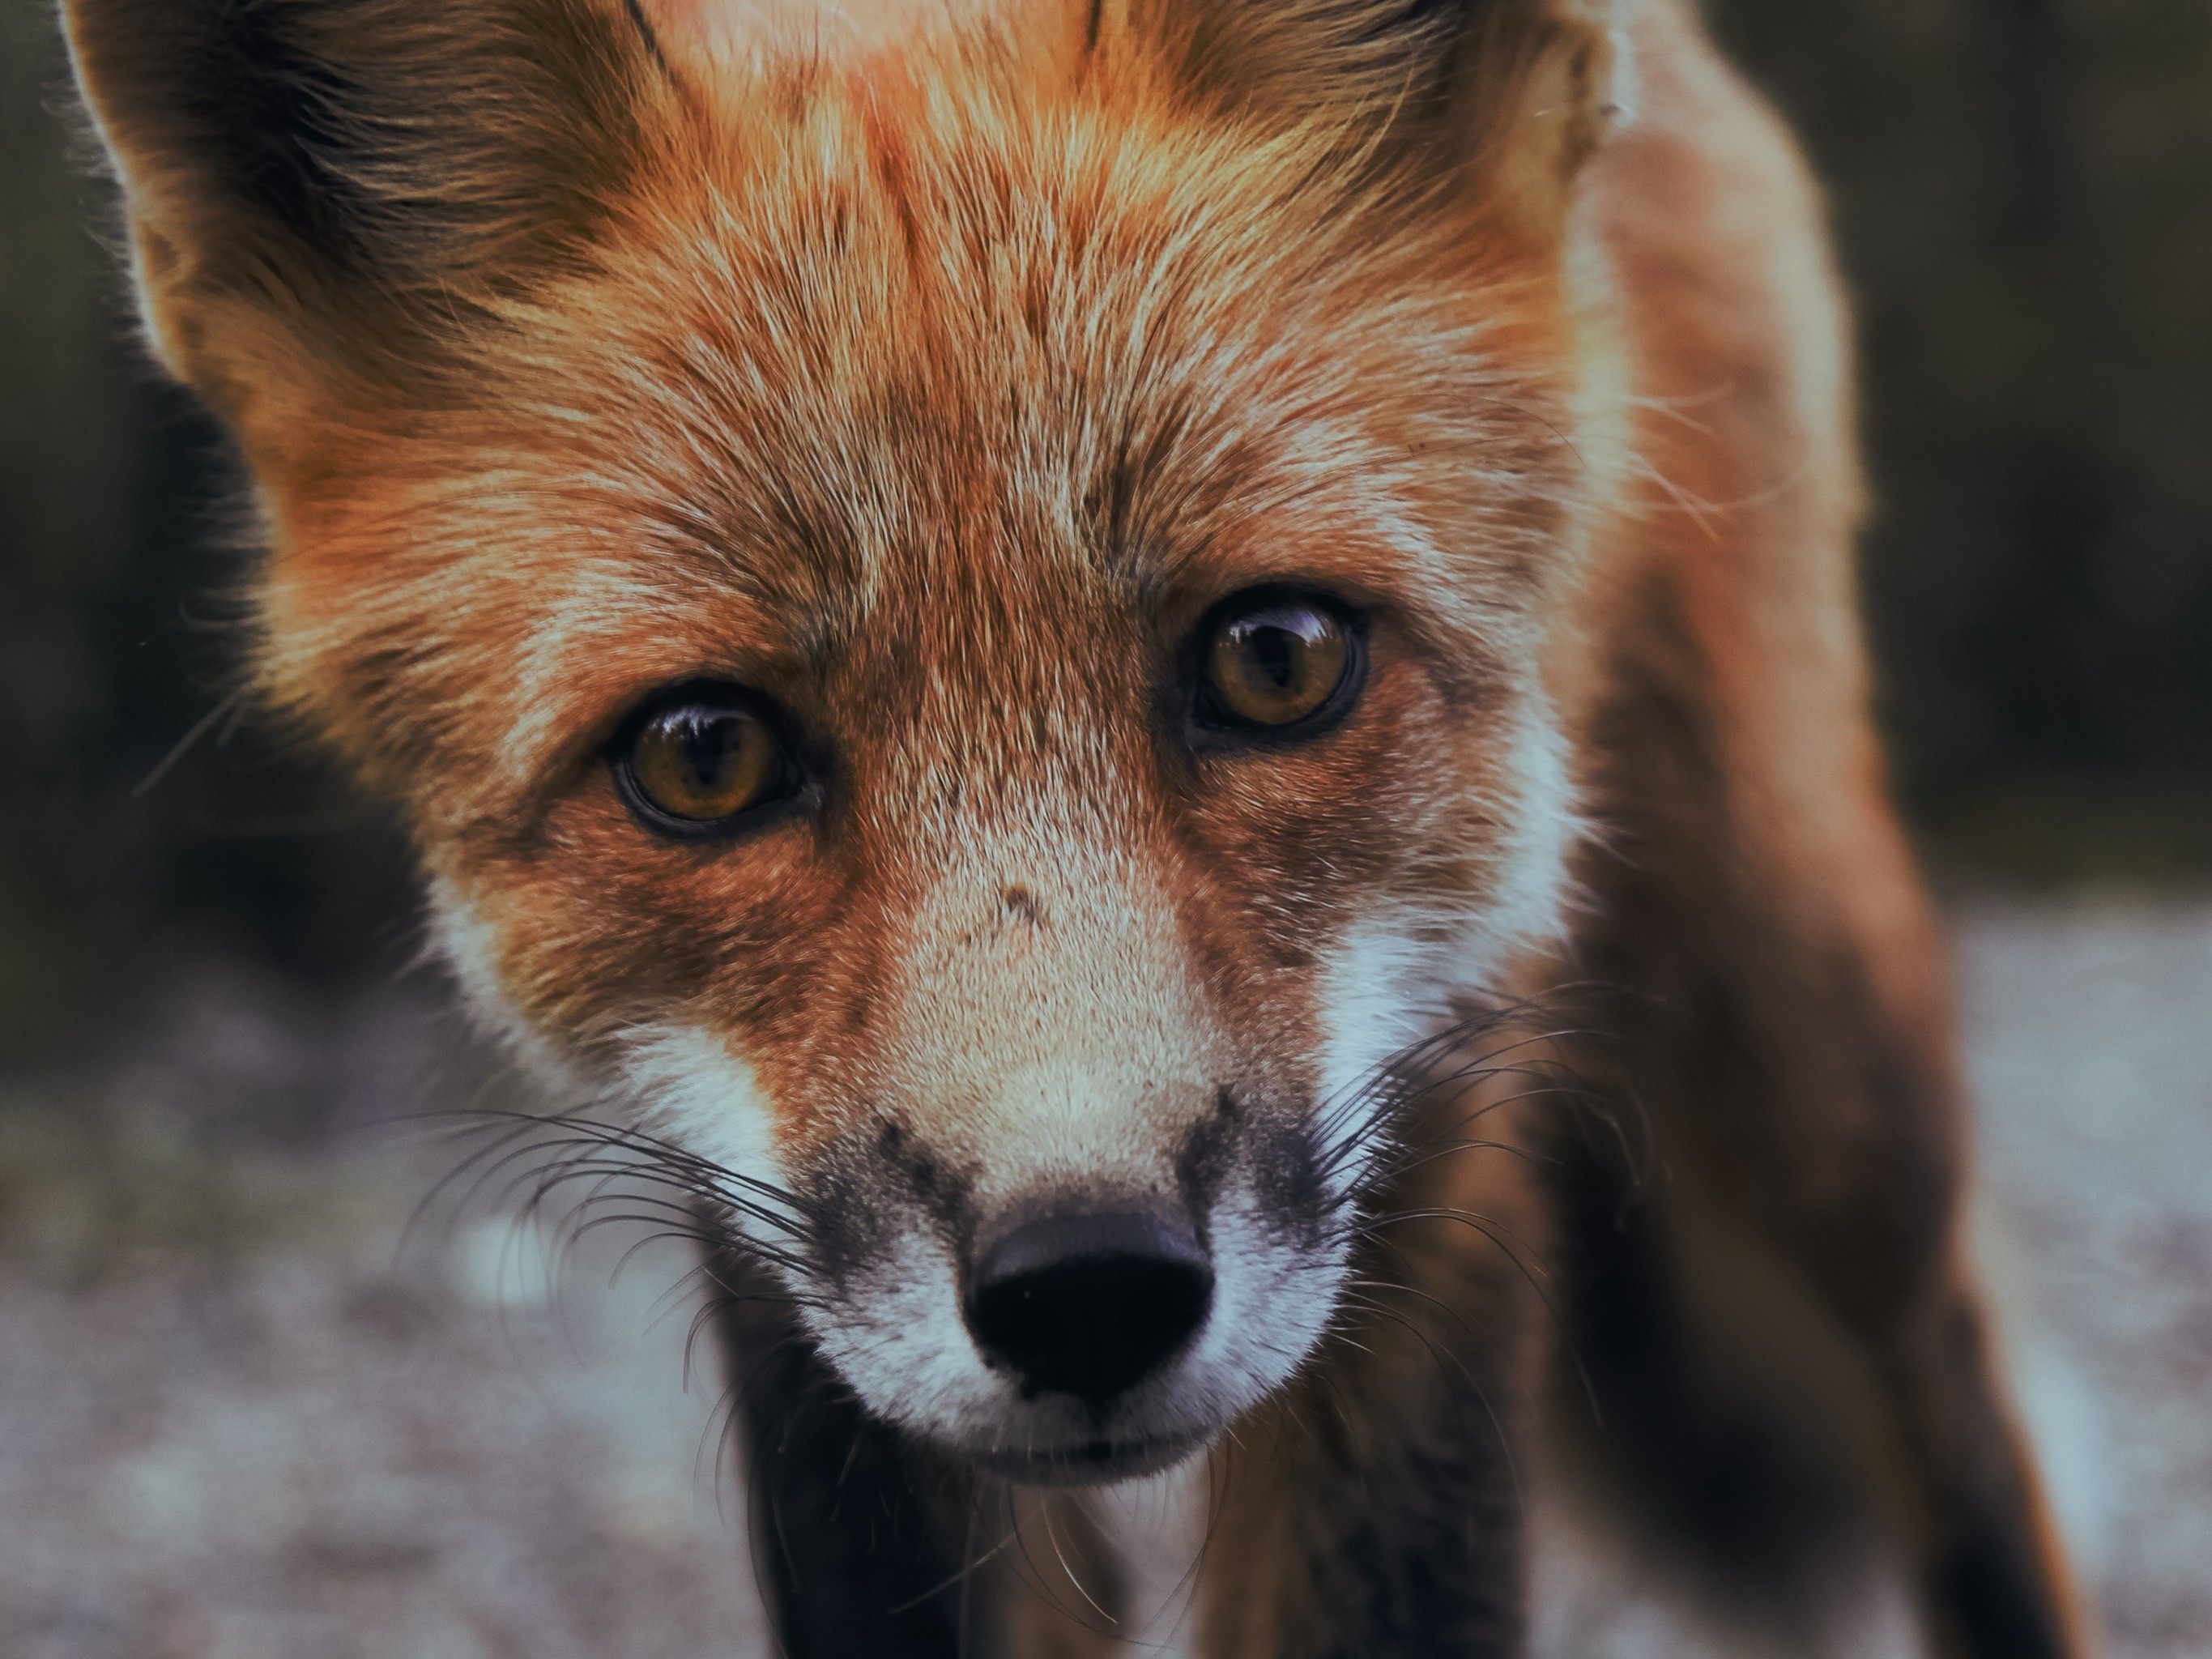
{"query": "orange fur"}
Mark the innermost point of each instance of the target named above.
(935, 378)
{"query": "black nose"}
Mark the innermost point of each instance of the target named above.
(1090, 1305)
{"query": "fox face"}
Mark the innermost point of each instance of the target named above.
(969, 630)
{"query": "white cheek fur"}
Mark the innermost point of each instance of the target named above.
(469, 946)
(678, 1082)
(1396, 976)
(897, 1336)
(1272, 1298)
(687, 1087)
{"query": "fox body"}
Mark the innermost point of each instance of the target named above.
(1164, 689)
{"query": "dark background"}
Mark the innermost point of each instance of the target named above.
(2023, 191)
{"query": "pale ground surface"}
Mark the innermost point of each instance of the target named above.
(239, 1420)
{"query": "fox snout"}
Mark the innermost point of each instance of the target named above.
(1087, 1323)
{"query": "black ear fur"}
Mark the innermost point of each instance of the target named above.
(271, 115)
(267, 146)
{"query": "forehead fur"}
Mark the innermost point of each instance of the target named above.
(941, 332)
(728, 34)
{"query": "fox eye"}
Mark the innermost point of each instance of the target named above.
(1274, 663)
(699, 760)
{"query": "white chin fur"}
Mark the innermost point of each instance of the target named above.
(1158, 1529)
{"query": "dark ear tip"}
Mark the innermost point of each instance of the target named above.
(300, 153)
(229, 105)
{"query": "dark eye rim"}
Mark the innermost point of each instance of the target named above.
(1208, 726)
(791, 793)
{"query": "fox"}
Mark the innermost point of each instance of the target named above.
(1168, 695)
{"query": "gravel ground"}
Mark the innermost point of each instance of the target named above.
(242, 1417)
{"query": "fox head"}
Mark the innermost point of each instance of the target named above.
(966, 609)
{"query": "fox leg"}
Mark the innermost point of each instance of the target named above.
(1781, 1010)
(1408, 1550)
(1878, 1242)
(1375, 1509)
(858, 1546)
(1993, 1578)
(1714, 1410)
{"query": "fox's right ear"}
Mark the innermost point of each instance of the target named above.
(324, 186)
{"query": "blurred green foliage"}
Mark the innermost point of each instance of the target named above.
(2023, 190)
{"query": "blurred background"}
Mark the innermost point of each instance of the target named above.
(206, 1007)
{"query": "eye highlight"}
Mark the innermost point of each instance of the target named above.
(702, 760)
(1277, 663)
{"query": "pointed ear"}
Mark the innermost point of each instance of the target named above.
(317, 183)
(1514, 93)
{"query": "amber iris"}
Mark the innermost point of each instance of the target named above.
(702, 761)
(1277, 663)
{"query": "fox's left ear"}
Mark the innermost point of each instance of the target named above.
(320, 190)
(1515, 94)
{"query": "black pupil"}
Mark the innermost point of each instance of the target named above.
(708, 739)
(1272, 648)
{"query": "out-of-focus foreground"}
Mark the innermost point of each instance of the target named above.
(245, 1420)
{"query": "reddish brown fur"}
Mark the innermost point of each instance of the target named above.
(938, 392)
